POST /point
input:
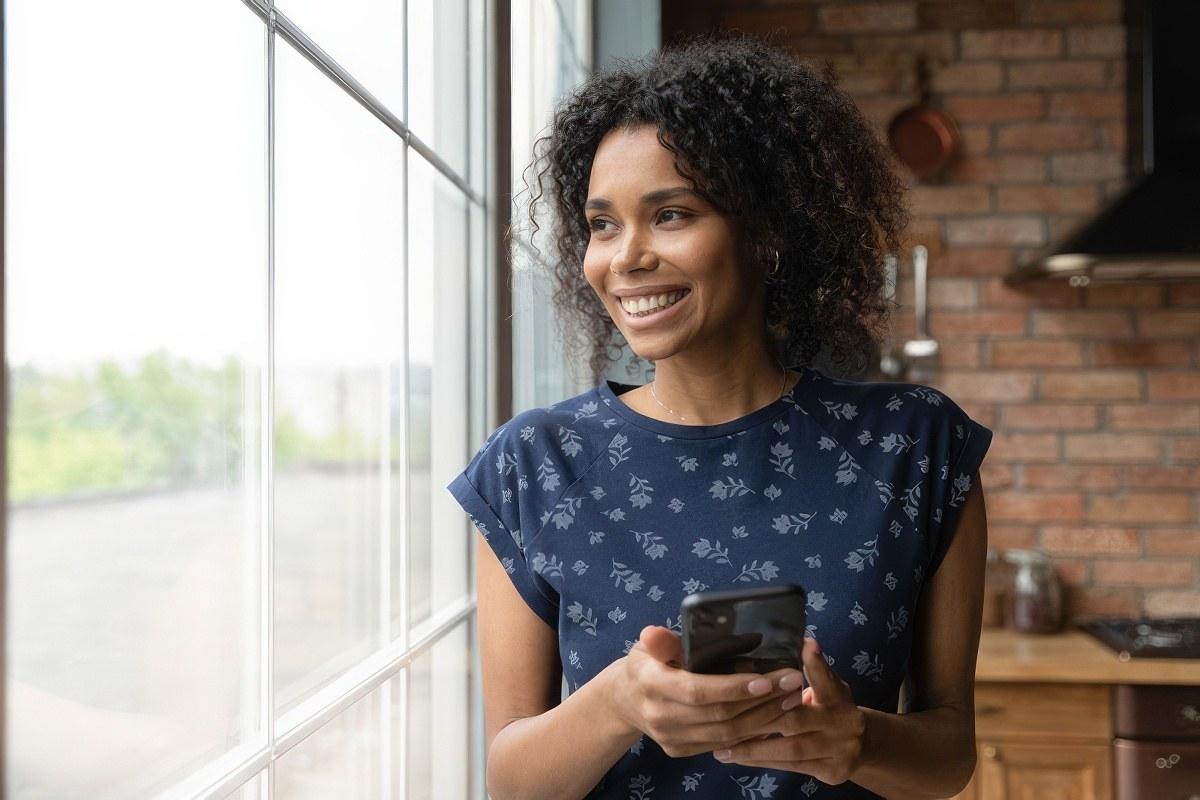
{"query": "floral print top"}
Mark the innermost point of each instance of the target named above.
(605, 518)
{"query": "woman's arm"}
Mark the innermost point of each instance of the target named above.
(537, 747)
(930, 752)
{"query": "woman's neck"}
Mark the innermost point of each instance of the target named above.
(710, 394)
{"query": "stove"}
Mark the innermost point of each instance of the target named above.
(1165, 637)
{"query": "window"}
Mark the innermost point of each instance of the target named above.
(244, 250)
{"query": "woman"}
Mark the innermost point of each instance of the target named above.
(728, 211)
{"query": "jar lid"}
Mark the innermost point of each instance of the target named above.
(1031, 556)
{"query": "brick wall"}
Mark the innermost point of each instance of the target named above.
(1093, 393)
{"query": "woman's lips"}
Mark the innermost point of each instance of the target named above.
(659, 315)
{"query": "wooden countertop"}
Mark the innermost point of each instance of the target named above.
(1071, 656)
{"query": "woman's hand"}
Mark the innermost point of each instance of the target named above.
(822, 730)
(688, 713)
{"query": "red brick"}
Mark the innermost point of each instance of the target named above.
(996, 476)
(1173, 542)
(1123, 295)
(976, 140)
(1023, 447)
(1142, 572)
(951, 324)
(944, 293)
(1141, 354)
(959, 354)
(868, 17)
(1169, 322)
(1185, 449)
(768, 21)
(983, 413)
(1024, 506)
(957, 14)
(1091, 540)
(941, 200)
(1174, 385)
(989, 387)
(1033, 294)
(932, 44)
(1113, 135)
(880, 110)
(1037, 353)
(1071, 476)
(1045, 137)
(1172, 603)
(1097, 40)
(1056, 74)
(1139, 508)
(968, 76)
(1051, 417)
(1072, 571)
(996, 230)
(1082, 323)
(1101, 104)
(1184, 294)
(1011, 537)
(1000, 169)
(1148, 476)
(1049, 12)
(1146, 417)
(995, 108)
(974, 261)
(1086, 167)
(868, 82)
(1089, 601)
(809, 47)
(1049, 199)
(1112, 448)
(1079, 385)
(1012, 43)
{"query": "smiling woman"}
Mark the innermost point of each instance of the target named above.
(726, 211)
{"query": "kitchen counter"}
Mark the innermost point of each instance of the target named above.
(1071, 656)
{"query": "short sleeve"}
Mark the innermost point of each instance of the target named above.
(961, 445)
(492, 490)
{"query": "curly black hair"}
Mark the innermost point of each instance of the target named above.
(764, 138)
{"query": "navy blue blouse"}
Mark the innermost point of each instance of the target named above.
(605, 518)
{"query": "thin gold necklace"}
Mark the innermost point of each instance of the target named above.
(682, 418)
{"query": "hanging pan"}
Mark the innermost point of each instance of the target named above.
(924, 138)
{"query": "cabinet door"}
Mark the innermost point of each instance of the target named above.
(1035, 771)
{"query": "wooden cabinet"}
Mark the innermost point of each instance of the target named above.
(1042, 741)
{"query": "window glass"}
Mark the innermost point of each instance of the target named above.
(135, 253)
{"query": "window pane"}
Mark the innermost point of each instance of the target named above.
(342, 759)
(339, 317)
(253, 789)
(135, 259)
(438, 401)
(364, 36)
(437, 93)
(438, 719)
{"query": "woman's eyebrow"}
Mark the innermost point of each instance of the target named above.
(650, 198)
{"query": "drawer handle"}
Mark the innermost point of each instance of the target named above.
(989, 752)
(985, 710)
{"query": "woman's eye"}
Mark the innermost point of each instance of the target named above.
(595, 224)
(681, 214)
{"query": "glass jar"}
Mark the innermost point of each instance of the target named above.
(1034, 597)
(995, 586)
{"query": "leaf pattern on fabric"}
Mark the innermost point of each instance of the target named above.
(625, 577)
(840, 410)
(617, 451)
(861, 557)
(792, 523)
(712, 550)
(641, 787)
(723, 490)
(639, 494)
(651, 544)
(896, 443)
(692, 782)
(548, 475)
(570, 442)
(896, 622)
(564, 512)
(765, 572)
(755, 788)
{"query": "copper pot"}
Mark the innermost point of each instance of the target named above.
(924, 138)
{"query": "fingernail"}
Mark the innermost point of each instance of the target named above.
(722, 754)
(759, 686)
(793, 700)
(793, 680)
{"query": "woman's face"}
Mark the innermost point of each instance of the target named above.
(651, 236)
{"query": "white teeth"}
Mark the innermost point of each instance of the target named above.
(649, 302)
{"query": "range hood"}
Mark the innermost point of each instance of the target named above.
(1152, 230)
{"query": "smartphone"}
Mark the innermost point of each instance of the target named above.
(743, 630)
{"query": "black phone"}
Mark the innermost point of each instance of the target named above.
(743, 630)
